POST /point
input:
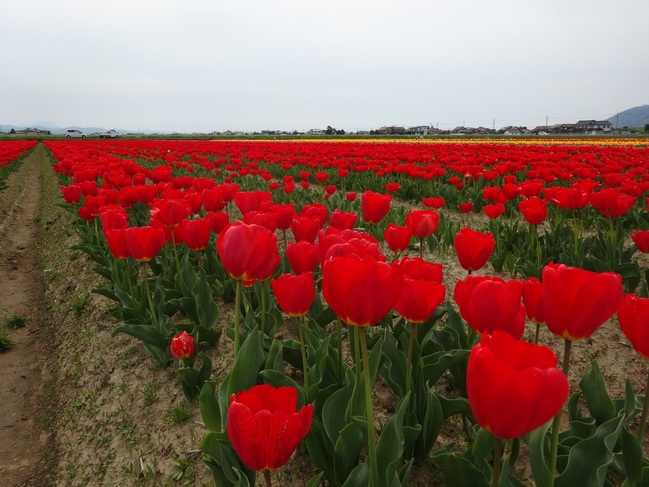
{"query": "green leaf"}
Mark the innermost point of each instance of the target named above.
(596, 396)
(347, 449)
(210, 408)
(389, 449)
(394, 365)
(631, 455)
(537, 441)
(148, 334)
(333, 418)
(275, 357)
(435, 365)
(458, 470)
(588, 460)
(431, 418)
(451, 407)
(206, 309)
(221, 458)
(245, 370)
(321, 450)
(316, 480)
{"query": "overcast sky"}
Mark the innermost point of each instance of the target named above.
(199, 65)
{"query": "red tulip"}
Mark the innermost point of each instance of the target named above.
(266, 219)
(248, 252)
(182, 345)
(263, 426)
(303, 256)
(578, 301)
(433, 202)
(251, 200)
(633, 315)
(397, 237)
(375, 206)
(113, 217)
(490, 303)
(306, 227)
(294, 293)
(392, 187)
(144, 242)
(533, 300)
(418, 268)
(494, 210)
(351, 196)
(419, 297)
(465, 207)
(285, 214)
(361, 291)
(71, 194)
(513, 386)
(195, 233)
(534, 210)
(333, 242)
(423, 223)
(473, 248)
(218, 220)
(116, 240)
(343, 220)
(321, 177)
(566, 198)
(641, 240)
(318, 210)
(214, 198)
(170, 212)
(611, 202)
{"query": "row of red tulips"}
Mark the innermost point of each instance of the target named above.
(519, 387)
(11, 152)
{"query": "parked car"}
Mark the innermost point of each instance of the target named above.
(109, 134)
(74, 134)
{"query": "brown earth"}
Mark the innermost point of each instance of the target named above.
(83, 407)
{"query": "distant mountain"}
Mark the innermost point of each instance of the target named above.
(633, 117)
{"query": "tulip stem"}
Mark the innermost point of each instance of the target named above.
(237, 312)
(303, 351)
(411, 342)
(374, 473)
(154, 316)
(498, 455)
(175, 251)
(263, 307)
(536, 335)
(421, 248)
(267, 477)
(645, 412)
(556, 422)
(340, 349)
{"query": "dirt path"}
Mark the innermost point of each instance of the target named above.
(21, 418)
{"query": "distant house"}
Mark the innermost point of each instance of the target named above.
(593, 126)
(510, 130)
(30, 131)
(315, 132)
(392, 130)
(542, 130)
(418, 130)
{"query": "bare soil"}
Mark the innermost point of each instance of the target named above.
(22, 368)
(83, 407)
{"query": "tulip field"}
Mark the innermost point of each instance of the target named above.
(382, 313)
